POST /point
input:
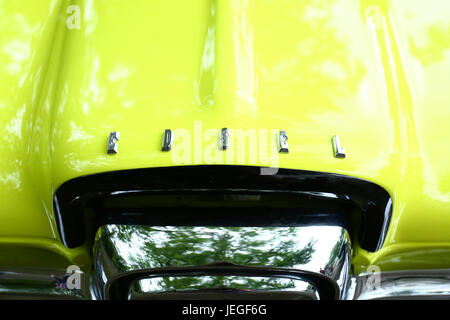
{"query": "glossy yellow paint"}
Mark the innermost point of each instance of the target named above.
(372, 71)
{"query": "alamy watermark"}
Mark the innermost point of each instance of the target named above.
(373, 280)
(246, 146)
(71, 280)
(73, 21)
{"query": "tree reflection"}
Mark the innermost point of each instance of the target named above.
(192, 246)
(438, 42)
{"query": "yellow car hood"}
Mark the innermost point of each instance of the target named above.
(373, 72)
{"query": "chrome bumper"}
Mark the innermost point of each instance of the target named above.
(40, 284)
(223, 263)
(402, 285)
(140, 262)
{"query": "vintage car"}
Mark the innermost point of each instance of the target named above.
(224, 149)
